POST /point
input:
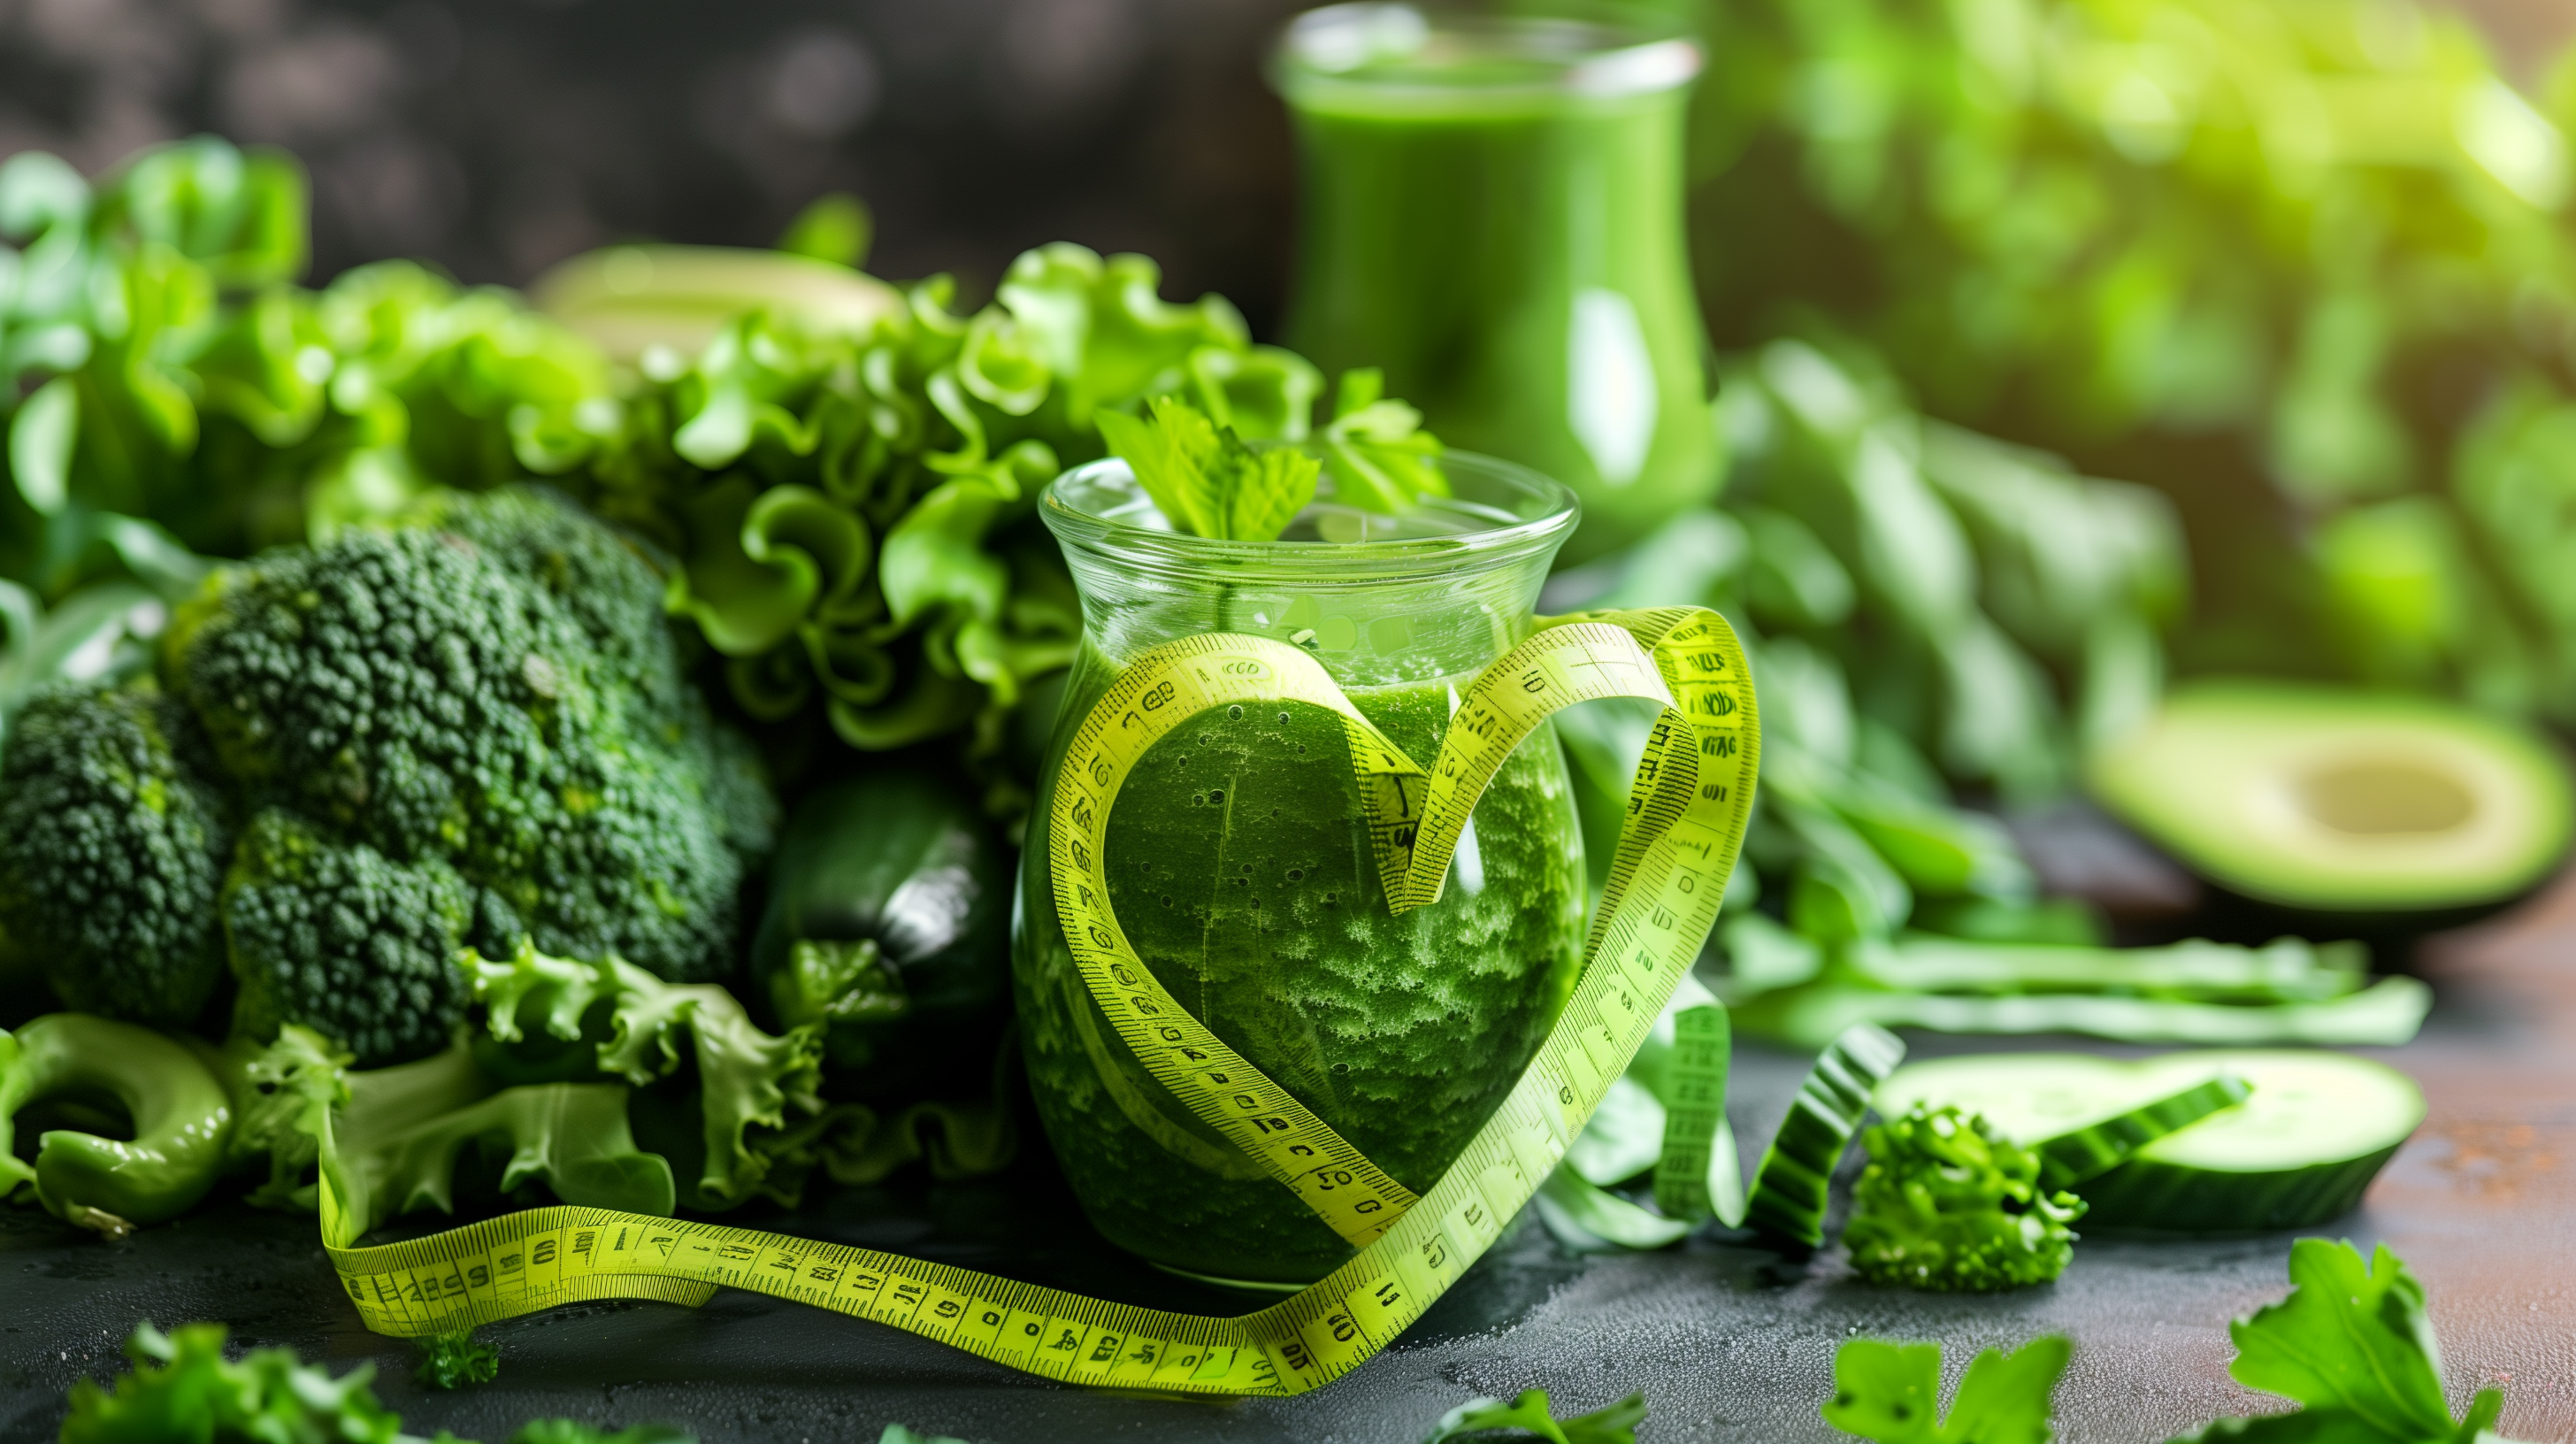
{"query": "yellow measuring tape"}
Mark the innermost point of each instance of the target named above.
(1685, 823)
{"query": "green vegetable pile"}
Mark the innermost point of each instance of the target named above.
(1929, 610)
(357, 758)
(1949, 1205)
(2301, 267)
(848, 506)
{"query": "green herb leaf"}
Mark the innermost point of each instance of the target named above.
(2351, 1336)
(1204, 479)
(2352, 1345)
(1887, 1392)
(1379, 456)
(1616, 1424)
(2005, 1397)
(1891, 1393)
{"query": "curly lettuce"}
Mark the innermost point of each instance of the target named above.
(556, 1019)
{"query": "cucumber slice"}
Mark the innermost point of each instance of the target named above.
(2082, 1115)
(1696, 1171)
(1788, 1195)
(2299, 1151)
(2086, 1153)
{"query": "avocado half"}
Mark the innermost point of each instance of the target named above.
(2341, 801)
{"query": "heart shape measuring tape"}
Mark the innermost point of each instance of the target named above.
(1685, 824)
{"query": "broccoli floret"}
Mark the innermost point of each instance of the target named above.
(609, 586)
(1949, 1205)
(414, 688)
(456, 1358)
(112, 843)
(344, 940)
(612, 587)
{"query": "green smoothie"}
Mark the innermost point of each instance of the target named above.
(1492, 213)
(1240, 871)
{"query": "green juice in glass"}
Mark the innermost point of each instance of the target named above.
(1240, 871)
(1492, 213)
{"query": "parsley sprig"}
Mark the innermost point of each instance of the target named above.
(1209, 482)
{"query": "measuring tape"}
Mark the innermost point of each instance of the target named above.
(1685, 823)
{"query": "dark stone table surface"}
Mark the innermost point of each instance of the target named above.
(1728, 1343)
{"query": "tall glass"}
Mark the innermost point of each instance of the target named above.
(1240, 871)
(1492, 212)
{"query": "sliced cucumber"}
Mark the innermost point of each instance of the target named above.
(2073, 1158)
(1696, 1171)
(2082, 1115)
(2300, 1150)
(1789, 1189)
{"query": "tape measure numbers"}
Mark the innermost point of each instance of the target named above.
(1686, 816)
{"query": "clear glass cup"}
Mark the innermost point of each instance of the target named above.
(1240, 871)
(1491, 211)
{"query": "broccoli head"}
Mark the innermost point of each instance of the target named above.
(490, 692)
(112, 844)
(467, 733)
(1949, 1205)
(344, 940)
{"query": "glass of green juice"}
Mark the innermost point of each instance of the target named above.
(1240, 870)
(1491, 211)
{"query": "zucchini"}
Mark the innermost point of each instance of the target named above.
(1787, 1201)
(2299, 1151)
(888, 921)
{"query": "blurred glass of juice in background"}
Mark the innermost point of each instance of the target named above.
(1492, 212)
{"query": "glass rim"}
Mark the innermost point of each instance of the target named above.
(1125, 544)
(1627, 57)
